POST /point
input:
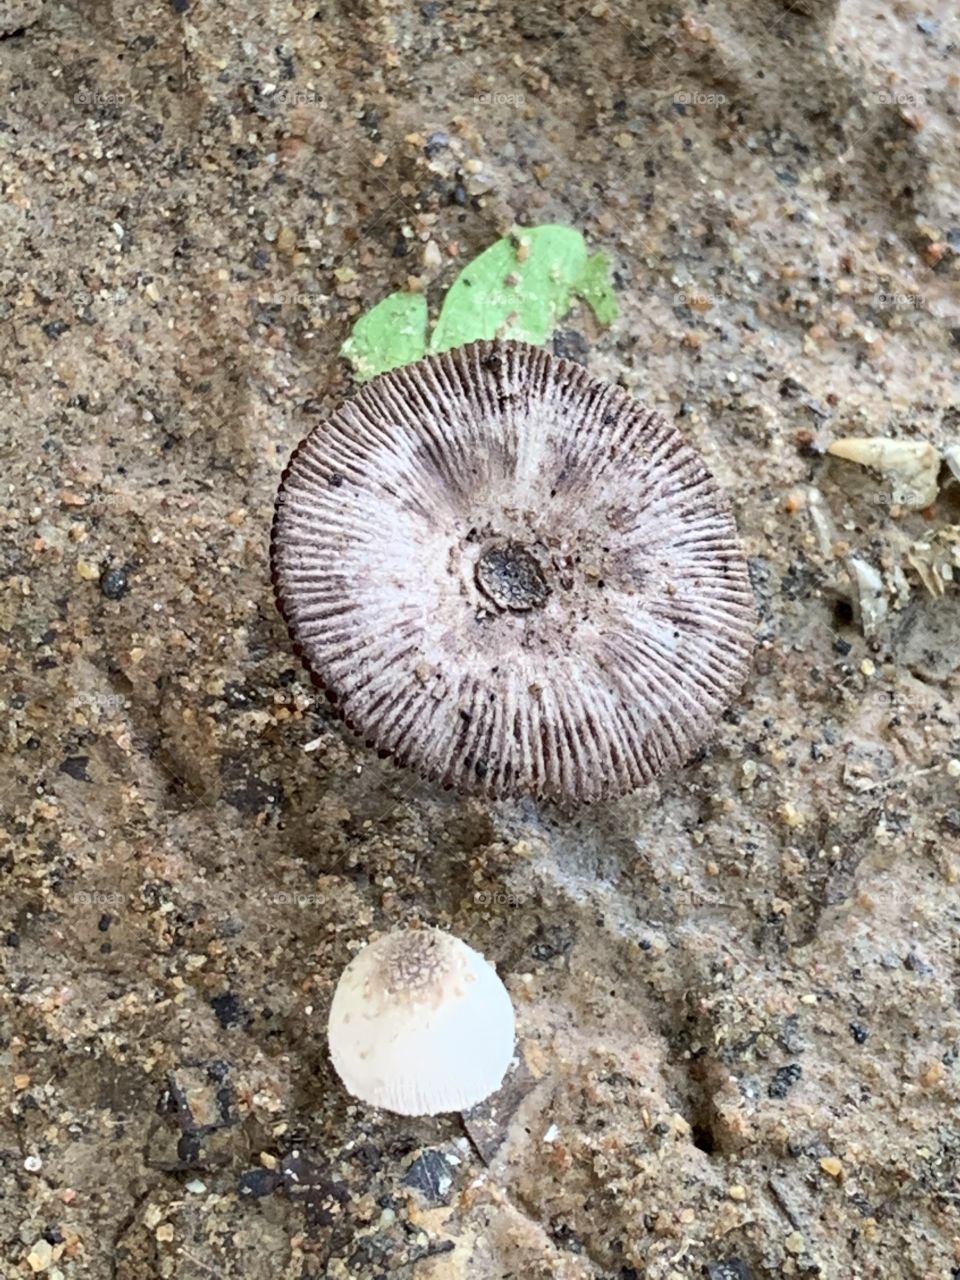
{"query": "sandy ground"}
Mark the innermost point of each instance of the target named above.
(737, 993)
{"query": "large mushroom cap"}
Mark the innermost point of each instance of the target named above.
(513, 577)
(420, 1024)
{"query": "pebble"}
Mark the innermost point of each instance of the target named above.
(113, 583)
(784, 1080)
(33, 1164)
(794, 1243)
(932, 1075)
(831, 1165)
(259, 1182)
(431, 1176)
(40, 1256)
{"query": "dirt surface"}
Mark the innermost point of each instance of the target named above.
(737, 993)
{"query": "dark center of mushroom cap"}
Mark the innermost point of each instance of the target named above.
(510, 575)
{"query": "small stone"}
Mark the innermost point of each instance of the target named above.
(229, 1009)
(729, 1269)
(87, 571)
(737, 1192)
(113, 583)
(21, 1082)
(259, 1182)
(570, 344)
(431, 1176)
(437, 141)
(791, 817)
(831, 1165)
(784, 1080)
(794, 1243)
(953, 768)
(152, 1216)
(33, 1164)
(932, 1075)
(165, 1232)
(867, 667)
(431, 254)
(40, 1256)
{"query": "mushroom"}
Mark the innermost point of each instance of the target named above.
(420, 1024)
(512, 577)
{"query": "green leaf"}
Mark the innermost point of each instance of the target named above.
(518, 288)
(596, 288)
(393, 333)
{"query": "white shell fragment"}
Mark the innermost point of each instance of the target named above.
(936, 561)
(823, 528)
(912, 466)
(870, 597)
(420, 1024)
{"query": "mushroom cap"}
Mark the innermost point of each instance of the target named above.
(512, 577)
(420, 1024)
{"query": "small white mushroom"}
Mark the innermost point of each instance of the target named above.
(420, 1024)
(912, 466)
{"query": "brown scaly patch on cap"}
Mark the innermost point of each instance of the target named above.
(512, 577)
